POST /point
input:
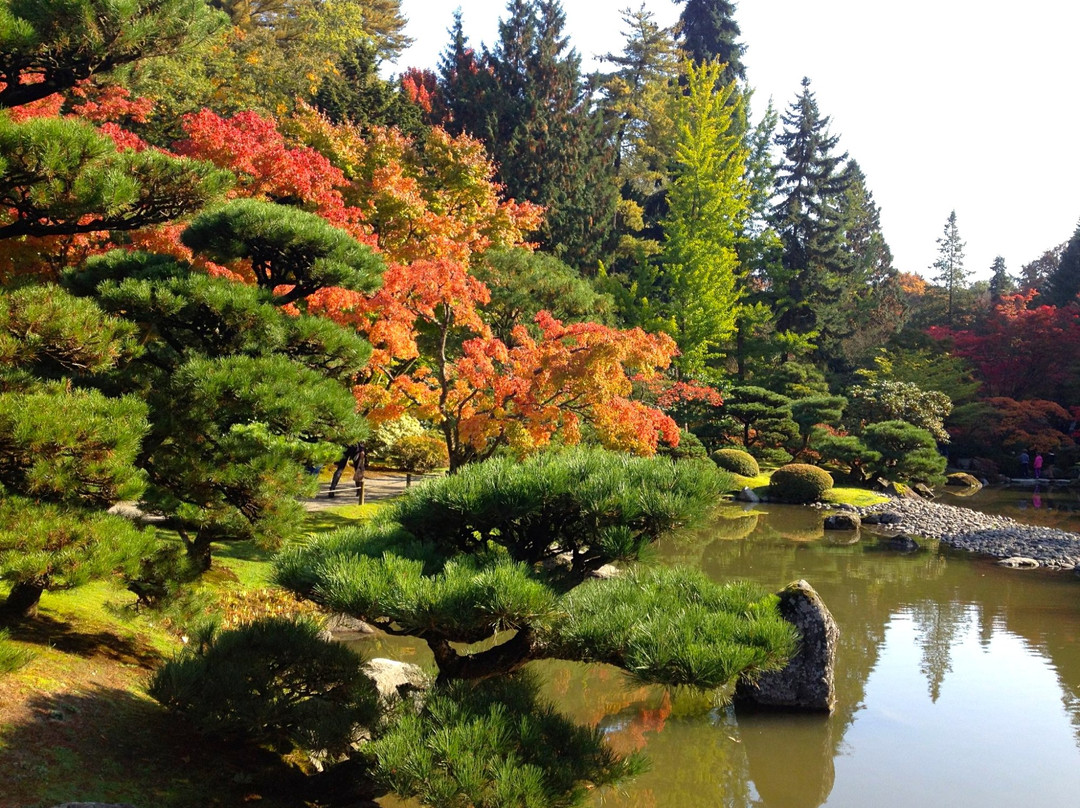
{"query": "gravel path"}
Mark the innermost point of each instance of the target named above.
(997, 536)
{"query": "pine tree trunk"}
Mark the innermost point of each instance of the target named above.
(199, 553)
(22, 601)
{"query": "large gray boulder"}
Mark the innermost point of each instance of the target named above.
(807, 684)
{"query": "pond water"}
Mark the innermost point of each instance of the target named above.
(958, 683)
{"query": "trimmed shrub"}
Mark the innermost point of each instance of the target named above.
(799, 483)
(736, 461)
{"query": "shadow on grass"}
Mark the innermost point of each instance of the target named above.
(110, 745)
(242, 551)
(63, 636)
(325, 521)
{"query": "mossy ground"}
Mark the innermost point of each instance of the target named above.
(838, 495)
(76, 725)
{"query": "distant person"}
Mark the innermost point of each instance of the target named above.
(1025, 463)
(1038, 466)
(354, 454)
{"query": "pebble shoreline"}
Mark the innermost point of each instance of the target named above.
(997, 536)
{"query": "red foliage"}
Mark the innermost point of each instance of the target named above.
(1022, 352)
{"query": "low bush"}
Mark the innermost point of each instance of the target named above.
(736, 461)
(12, 657)
(274, 682)
(799, 483)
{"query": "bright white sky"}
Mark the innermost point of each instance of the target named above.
(946, 104)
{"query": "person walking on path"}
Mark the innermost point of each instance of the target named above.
(1038, 466)
(354, 453)
(1025, 460)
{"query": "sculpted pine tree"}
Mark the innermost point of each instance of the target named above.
(504, 550)
(265, 393)
(66, 453)
(47, 46)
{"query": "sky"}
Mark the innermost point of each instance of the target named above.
(965, 105)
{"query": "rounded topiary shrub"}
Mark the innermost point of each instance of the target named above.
(736, 461)
(799, 483)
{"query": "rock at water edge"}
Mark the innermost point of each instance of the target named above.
(395, 680)
(807, 684)
(842, 521)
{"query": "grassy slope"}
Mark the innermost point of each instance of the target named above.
(76, 725)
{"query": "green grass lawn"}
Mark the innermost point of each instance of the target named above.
(76, 724)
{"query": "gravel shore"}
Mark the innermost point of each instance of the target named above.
(997, 536)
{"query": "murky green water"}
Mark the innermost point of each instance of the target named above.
(958, 684)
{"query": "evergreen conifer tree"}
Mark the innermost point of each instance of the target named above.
(1001, 282)
(950, 264)
(708, 31)
(1063, 284)
(526, 100)
(808, 286)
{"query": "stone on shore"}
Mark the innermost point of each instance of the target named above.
(807, 683)
(962, 479)
(842, 521)
(747, 495)
(1019, 563)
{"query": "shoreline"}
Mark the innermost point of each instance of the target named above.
(997, 536)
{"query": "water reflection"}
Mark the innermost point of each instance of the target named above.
(958, 683)
(945, 661)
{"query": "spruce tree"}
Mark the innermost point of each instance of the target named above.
(1063, 284)
(808, 286)
(950, 264)
(1001, 282)
(708, 31)
(534, 113)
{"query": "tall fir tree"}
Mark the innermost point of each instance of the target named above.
(870, 287)
(527, 101)
(1063, 284)
(950, 264)
(808, 285)
(1001, 282)
(707, 31)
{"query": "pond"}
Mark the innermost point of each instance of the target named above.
(958, 683)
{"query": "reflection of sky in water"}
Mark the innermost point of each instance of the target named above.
(995, 736)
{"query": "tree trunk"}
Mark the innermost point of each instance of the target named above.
(199, 553)
(502, 659)
(22, 601)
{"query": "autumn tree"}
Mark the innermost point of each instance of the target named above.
(950, 264)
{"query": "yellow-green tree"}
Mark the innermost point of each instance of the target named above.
(707, 205)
